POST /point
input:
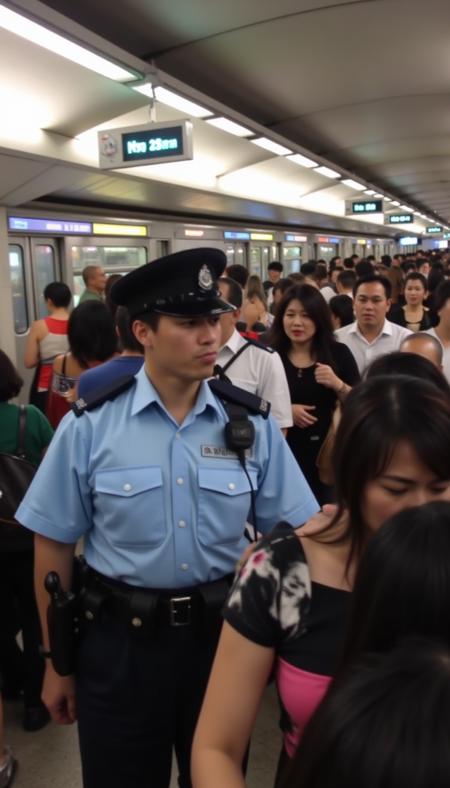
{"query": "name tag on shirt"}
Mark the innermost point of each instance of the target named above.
(221, 452)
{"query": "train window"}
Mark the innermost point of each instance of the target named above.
(45, 272)
(19, 293)
(292, 258)
(235, 254)
(109, 257)
(255, 260)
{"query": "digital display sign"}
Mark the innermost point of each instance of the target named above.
(400, 218)
(367, 206)
(69, 227)
(232, 235)
(152, 143)
(408, 241)
(434, 230)
(296, 238)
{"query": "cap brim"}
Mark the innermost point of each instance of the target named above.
(210, 306)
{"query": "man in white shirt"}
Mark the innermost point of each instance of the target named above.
(250, 365)
(371, 335)
(345, 283)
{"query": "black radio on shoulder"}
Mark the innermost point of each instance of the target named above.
(239, 430)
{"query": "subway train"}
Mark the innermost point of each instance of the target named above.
(47, 245)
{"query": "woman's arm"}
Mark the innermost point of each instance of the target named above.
(32, 356)
(238, 679)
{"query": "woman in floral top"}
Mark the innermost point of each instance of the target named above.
(287, 608)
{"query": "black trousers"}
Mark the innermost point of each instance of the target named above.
(19, 610)
(138, 700)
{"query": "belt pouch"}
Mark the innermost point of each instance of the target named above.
(143, 606)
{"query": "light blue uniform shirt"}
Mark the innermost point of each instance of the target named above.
(161, 505)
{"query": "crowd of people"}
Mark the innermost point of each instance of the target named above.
(343, 599)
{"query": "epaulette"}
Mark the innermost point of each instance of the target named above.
(229, 393)
(259, 344)
(103, 394)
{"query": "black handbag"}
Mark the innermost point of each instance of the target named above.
(16, 475)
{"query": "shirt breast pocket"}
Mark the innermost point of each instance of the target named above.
(129, 505)
(224, 504)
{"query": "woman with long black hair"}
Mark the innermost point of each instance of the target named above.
(288, 607)
(320, 373)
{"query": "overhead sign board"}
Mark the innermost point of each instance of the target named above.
(301, 239)
(409, 240)
(152, 143)
(66, 226)
(236, 235)
(435, 230)
(363, 207)
(400, 218)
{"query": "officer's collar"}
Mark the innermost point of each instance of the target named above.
(145, 394)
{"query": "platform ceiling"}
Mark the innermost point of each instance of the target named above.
(364, 83)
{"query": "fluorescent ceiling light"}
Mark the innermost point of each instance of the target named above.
(353, 184)
(405, 207)
(59, 45)
(272, 146)
(230, 126)
(174, 100)
(329, 173)
(388, 199)
(369, 191)
(303, 161)
(377, 194)
(395, 202)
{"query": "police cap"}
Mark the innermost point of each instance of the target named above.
(180, 284)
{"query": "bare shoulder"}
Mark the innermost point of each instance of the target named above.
(319, 523)
(325, 550)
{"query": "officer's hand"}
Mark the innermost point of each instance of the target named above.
(58, 694)
(302, 417)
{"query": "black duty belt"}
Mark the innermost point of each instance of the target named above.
(146, 610)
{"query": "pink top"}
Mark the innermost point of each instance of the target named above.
(274, 603)
(300, 693)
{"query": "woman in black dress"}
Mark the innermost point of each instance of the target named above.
(413, 315)
(320, 372)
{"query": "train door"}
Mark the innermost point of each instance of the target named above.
(116, 256)
(292, 259)
(236, 253)
(326, 251)
(260, 257)
(33, 264)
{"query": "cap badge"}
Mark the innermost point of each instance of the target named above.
(205, 279)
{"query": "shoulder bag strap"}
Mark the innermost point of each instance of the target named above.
(236, 355)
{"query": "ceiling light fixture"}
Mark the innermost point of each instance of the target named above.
(60, 45)
(370, 192)
(270, 145)
(353, 184)
(303, 161)
(224, 124)
(395, 202)
(328, 172)
(174, 100)
(378, 195)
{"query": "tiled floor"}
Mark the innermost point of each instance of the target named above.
(49, 758)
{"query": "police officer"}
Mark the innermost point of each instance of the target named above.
(147, 476)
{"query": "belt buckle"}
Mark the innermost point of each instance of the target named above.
(180, 610)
